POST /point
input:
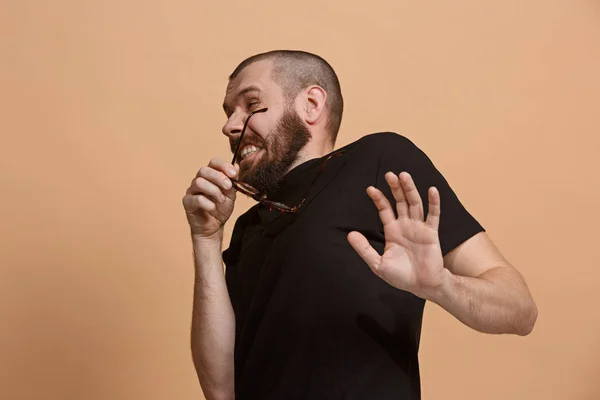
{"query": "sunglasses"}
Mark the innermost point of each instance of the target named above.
(255, 194)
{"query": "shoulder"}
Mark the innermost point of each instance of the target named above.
(382, 141)
(387, 146)
(396, 153)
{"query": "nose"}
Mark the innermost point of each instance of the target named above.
(233, 126)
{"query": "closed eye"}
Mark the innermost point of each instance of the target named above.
(253, 104)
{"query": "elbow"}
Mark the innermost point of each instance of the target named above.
(214, 387)
(219, 395)
(528, 318)
(217, 392)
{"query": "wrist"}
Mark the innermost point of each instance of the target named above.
(445, 289)
(201, 239)
(207, 249)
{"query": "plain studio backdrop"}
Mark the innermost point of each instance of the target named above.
(108, 108)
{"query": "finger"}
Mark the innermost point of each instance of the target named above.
(415, 205)
(361, 245)
(433, 216)
(193, 203)
(216, 177)
(223, 166)
(204, 203)
(383, 205)
(398, 193)
(208, 189)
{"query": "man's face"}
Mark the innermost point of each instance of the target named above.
(273, 139)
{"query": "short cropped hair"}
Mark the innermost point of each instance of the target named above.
(295, 70)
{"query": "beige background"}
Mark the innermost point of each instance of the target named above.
(109, 107)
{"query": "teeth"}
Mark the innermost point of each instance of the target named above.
(247, 150)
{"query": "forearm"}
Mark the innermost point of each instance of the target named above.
(497, 301)
(213, 322)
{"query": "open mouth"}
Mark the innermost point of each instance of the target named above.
(248, 152)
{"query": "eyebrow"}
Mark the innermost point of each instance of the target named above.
(242, 93)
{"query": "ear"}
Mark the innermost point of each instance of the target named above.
(314, 107)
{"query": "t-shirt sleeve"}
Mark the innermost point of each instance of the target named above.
(401, 154)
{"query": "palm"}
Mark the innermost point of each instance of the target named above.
(412, 258)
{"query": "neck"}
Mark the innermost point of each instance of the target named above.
(311, 151)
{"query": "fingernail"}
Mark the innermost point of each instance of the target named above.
(231, 171)
(227, 184)
(222, 198)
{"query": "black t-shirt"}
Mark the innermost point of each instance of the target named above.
(312, 320)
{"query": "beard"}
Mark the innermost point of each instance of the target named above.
(281, 150)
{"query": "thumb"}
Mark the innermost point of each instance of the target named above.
(361, 245)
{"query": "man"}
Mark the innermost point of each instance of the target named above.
(325, 281)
